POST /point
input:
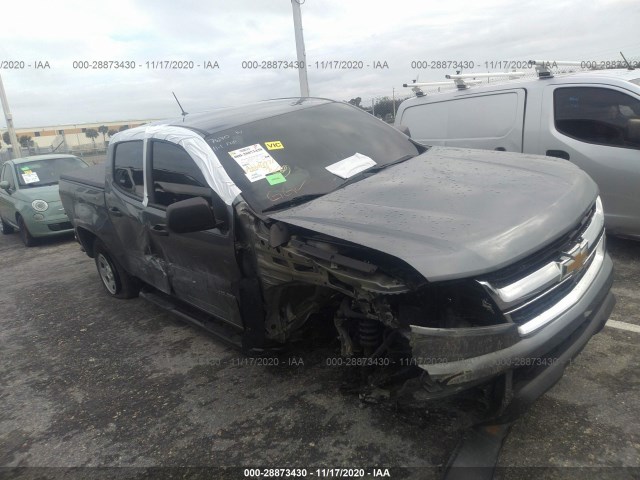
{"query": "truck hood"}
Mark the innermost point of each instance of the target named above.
(453, 213)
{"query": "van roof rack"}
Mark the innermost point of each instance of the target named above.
(415, 86)
(544, 70)
(460, 80)
(543, 67)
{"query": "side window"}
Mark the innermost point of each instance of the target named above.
(127, 168)
(175, 175)
(598, 115)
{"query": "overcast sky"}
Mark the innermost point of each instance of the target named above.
(230, 32)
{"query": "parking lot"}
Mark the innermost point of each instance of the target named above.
(91, 381)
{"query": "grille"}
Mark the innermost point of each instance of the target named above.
(543, 286)
(57, 227)
(550, 253)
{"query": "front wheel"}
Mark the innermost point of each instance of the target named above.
(115, 279)
(25, 235)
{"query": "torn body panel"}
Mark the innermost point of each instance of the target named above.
(457, 332)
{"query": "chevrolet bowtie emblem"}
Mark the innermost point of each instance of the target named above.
(576, 260)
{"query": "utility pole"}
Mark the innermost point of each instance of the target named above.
(302, 56)
(393, 97)
(7, 115)
(373, 108)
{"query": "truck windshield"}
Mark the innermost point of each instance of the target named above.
(283, 159)
(41, 172)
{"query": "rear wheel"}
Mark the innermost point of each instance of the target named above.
(115, 279)
(5, 228)
(25, 235)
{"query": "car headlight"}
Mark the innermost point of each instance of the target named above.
(39, 205)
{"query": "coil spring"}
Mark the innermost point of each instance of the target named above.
(369, 331)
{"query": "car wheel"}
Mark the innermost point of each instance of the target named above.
(5, 228)
(115, 279)
(25, 236)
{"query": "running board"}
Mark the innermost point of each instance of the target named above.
(219, 329)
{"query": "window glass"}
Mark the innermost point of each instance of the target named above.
(46, 171)
(598, 115)
(127, 168)
(175, 175)
(287, 154)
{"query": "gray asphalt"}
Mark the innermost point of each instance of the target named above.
(91, 381)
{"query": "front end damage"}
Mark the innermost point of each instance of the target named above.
(516, 328)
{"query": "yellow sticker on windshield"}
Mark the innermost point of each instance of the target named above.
(275, 145)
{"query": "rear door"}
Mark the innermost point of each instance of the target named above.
(123, 197)
(201, 266)
(597, 127)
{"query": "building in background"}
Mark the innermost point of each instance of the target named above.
(66, 138)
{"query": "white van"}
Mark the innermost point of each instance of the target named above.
(589, 118)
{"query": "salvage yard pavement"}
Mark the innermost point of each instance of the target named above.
(90, 381)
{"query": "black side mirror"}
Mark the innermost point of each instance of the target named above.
(404, 129)
(191, 215)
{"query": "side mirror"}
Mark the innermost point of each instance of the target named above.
(4, 185)
(404, 129)
(191, 215)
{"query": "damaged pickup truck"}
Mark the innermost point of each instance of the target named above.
(472, 267)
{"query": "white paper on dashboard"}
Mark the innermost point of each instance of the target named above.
(31, 177)
(351, 165)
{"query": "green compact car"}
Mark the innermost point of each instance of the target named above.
(29, 198)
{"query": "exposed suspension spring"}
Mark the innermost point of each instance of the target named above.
(370, 334)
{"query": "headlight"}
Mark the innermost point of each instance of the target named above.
(39, 205)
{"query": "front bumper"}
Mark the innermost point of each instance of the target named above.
(459, 357)
(50, 224)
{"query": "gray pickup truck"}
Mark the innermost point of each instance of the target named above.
(265, 222)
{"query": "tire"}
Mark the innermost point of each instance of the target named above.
(5, 228)
(25, 235)
(116, 281)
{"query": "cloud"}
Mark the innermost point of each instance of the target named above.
(232, 32)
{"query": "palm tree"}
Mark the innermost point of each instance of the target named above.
(103, 129)
(92, 133)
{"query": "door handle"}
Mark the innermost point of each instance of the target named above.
(500, 149)
(160, 229)
(558, 154)
(115, 212)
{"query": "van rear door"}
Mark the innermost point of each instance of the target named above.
(491, 121)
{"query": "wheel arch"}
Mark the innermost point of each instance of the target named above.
(87, 239)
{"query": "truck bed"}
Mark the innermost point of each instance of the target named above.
(93, 176)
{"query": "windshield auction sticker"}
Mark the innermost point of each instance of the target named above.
(30, 177)
(275, 145)
(255, 161)
(351, 165)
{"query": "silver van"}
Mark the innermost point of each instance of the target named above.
(589, 118)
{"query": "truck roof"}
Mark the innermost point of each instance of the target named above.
(213, 121)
